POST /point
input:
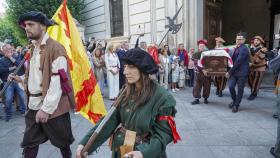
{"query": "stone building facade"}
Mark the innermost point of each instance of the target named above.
(119, 20)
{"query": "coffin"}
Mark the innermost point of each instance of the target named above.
(215, 65)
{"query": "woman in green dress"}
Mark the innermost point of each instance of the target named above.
(145, 108)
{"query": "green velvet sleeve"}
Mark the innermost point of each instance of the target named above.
(107, 131)
(161, 131)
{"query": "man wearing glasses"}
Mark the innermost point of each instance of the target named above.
(239, 72)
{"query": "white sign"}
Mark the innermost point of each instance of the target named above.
(140, 29)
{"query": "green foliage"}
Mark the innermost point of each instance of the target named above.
(7, 31)
(49, 7)
(18, 7)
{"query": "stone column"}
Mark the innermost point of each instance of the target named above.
(126, 30)
(153, 21)
(107, 18)
(186, 23)
(196, 15)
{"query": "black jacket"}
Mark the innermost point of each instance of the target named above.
(6, 64)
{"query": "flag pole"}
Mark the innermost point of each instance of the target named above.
(84, 152)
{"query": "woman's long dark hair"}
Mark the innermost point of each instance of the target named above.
(139, 97)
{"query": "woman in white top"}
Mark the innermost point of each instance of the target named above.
(112, 64)
(163, 68)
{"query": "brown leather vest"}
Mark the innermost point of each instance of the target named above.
(48, 54)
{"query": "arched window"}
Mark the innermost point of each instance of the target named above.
(116, 14)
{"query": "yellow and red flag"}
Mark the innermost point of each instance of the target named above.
(89, 101)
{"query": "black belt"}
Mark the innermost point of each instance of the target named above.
(36, 95)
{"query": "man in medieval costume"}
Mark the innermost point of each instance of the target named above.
(220, 81)
(201, 81)
(257, 65)
(48, 88)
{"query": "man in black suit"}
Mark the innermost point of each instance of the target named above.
(121, 52)
(239, 72)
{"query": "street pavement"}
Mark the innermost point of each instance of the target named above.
(207, 131)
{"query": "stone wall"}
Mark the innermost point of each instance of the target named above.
(94, 19)
(150, 16)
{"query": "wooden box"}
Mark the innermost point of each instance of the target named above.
(215, 65)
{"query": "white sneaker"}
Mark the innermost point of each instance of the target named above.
(173, 90)
(177, 89)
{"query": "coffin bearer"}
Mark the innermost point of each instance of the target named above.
(239, 72)
(220, 81)
(141, 98)
(201, 80)
(257, 65)
(49, 105)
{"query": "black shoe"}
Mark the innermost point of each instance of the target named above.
(251, 97)
(235, 109)
(272, 152)
(196, 101)
(217, 92)
(275, 116)
(230, 105)
(220, 94)
(206, 101)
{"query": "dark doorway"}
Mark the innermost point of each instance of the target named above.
(251, 16)
(116, 16)
(228, 17)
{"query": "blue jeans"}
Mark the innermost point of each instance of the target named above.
(191, 79)
(9, 96)
(240, 81)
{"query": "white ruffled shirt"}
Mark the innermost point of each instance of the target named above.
(50, 102)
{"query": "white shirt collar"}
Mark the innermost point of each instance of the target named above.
(44, 40)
